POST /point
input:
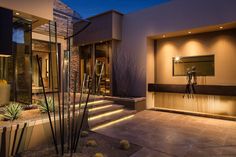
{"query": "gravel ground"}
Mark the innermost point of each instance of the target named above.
(106, 145)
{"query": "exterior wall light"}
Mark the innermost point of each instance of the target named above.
(177, 59)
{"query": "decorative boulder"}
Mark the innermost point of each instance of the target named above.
(124, 144)
(91, 143)
(98, 155)
(84, 133)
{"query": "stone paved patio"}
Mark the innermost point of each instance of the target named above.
(163, 134)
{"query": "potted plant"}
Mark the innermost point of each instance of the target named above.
(4, 92)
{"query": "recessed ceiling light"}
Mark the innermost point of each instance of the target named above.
(164, 36)
(221, 27)
(189, 32)
(17, 13)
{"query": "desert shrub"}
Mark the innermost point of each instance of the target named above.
(43, 106)
(12, 111)
(91, 143)
(124, 144)
(98, 155)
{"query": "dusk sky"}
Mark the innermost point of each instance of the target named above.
(88, 8)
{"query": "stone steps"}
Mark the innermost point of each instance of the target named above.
(105, 112)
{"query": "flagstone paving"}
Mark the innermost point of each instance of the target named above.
(163, 134)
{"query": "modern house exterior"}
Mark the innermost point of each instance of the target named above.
(139, 50)
(145, 43)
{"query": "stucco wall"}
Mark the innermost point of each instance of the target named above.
(221, 44)
(172, 16)
(42, 8)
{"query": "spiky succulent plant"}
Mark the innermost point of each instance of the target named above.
(43, 106)
(12, 111)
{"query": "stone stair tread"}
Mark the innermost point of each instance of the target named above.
(113, 107)
(107, 119)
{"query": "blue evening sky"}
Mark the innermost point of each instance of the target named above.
(87, 8)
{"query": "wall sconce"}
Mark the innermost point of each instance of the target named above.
(177, 59)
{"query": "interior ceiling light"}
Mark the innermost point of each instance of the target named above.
(17, 13)
(221, 27)
(164, 36)
(189, 32)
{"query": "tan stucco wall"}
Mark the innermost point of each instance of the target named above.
(39, 8)
(173, 16)
(221, 44)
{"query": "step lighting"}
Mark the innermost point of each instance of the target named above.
(99, 108)
(105, 114)
(90, 103)
(112, 122)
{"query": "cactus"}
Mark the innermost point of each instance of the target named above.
(84, 133)
(91, 143)
(12, 111)
(124, 144)
(43, 106)
(98, 155)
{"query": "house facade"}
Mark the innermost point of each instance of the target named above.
(143, 55)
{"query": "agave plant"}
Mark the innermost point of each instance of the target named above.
(12, 111)
(43, 106)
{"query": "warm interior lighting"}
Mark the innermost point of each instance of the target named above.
(164, 36)
(106, 114)
(111, 123)
(189, 32)
(1, 55)
(99, 108)
(221, 27)
(17, 13)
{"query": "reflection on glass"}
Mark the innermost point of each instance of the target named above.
(22, 54)
(102, 51)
